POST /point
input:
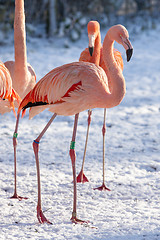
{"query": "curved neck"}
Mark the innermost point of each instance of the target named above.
(20, 36)
(96, 53)
(114, 73)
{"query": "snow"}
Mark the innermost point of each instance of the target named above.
(130, 211)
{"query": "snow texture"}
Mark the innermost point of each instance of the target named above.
(131, 210)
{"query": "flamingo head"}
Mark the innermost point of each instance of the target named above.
(93, 31)
(120, 34)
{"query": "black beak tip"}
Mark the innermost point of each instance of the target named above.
(129, 53)
(91, 50)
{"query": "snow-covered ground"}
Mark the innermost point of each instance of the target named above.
(131, 210)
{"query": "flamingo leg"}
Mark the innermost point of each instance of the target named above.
(81, 176)
(40, 214)
(103, 186)
(15, 195)
(72, 153)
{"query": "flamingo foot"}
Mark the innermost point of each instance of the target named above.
(75, 220)
(16, 196)
(102, 188)
(81, 178)
(41, 217)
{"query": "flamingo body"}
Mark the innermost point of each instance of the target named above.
(69, 89)
(29, 78)
(7, 94)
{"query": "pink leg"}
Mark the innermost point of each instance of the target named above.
(74, 218)
(81, 176)
(40, 215)
(15, 195)
(103, 187)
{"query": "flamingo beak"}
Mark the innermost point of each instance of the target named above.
(91, 43)
(91, 49)
(129, 53)
(128, 47)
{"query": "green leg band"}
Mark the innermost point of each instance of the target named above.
(15, 135)
(72, 146)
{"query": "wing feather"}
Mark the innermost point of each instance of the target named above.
(6, 90)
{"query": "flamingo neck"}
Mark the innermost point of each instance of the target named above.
(20, 39)
(114, 73)
(96, 53)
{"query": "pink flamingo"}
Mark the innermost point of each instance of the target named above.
(75, 87)
(7, 94)
(88, 55)
(22, 74)
(95, 39)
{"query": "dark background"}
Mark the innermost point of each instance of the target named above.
(45, 18)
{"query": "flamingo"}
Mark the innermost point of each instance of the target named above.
(75, 87)
(7, 94)
(88, 55)
(85, 56)
(22, 73)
